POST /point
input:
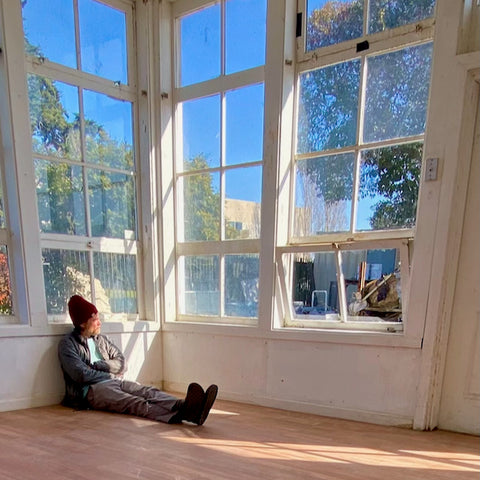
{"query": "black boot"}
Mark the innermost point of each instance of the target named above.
(193, 404)
(209, 399)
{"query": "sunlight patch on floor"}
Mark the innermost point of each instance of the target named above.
(335, 454)
(216, 411)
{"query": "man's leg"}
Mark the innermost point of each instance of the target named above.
(194, 408)
(112, 397)
(152, 394)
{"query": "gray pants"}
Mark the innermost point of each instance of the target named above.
(124, 396)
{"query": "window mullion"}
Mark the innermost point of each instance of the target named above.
(221, 287)
(83, 150)
(356, 188)
(77, 34)
(223, 121)
(92, 275)
(361, 99)
(342, 294)
(222, 38)
(366, 15)
(359, 140)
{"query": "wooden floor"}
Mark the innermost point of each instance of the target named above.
(237, 442)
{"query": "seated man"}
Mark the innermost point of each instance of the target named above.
(93, 366)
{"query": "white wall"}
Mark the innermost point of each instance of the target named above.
(371, 383)
(460, 401)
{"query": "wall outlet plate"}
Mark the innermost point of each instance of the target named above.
(431, 169)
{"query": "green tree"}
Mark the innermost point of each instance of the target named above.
(334, 22)
(48, 118)
(394, 174)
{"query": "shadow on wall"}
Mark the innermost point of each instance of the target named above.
(143, 352)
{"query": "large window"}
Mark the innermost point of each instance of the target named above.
(219, 112)
(82, 104)
(363, 76)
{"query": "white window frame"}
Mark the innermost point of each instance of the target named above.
(13, 176)
(379, 43)
(5, 236)
(344, 321)
(25, 250)
(216, 86)
(85, 81)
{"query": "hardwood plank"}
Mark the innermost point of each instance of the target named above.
(238, 441)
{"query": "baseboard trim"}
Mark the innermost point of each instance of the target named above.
(358, 415)
(30, 402)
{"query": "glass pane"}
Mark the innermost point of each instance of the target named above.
(201, 132)
(327, 110)
(112, 204)
(245, 34)
(6, 304)
(54, 121)
(372, 282)
(241, 285)
(201, 204)
(103, 40)
(66, 273)
(60, 198)
(200, 46)
(49, 30)
(108, 131)
(389, 183)
(201, 295)
(244, 125)
(386, 14)
(314, 287)
(115, 282)
(397, 93)
(323, 195)
(243, 188)
(332, 22)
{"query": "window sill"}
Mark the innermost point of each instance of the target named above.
(211, 320)
(19, 330)
(364, 324)
(300, 334)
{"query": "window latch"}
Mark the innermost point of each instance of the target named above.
(298, 29)
(361, 46)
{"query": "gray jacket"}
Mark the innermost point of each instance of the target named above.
(78, 371)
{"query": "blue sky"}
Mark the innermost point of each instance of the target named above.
(50, 25)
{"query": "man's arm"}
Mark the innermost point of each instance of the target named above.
(115, 361)
(75, 367)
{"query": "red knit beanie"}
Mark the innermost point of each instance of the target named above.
(80, 310)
